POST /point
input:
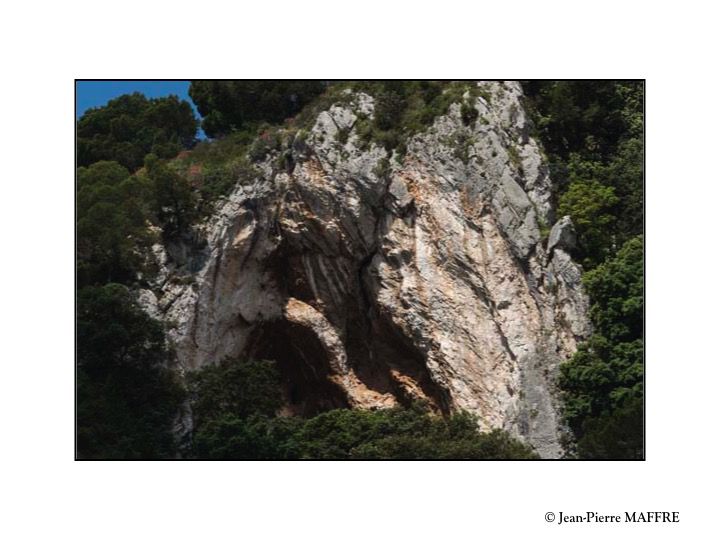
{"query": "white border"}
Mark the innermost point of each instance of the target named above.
(46, 494)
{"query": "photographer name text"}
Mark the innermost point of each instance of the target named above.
(626, 517)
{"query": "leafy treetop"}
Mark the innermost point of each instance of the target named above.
(131, 126)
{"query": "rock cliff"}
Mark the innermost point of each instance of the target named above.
(373, 282)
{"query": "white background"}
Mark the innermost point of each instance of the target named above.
(45, 494)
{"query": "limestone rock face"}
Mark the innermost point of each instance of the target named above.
(373, 282)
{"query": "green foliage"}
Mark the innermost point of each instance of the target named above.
(257, 437)
(112, 229)
(354, 434)
(113, 332)
(131, 126)
(616, 291)
(213, 168)
(403, 108)
(590, 117)
(228, 106)
(401, 433)
(600, 377)
(605, 199)
(235, 404)
(216, 182)
(126, 396)
(606, 374)
(514, 157)
(593, 134)
(268, 140)
(235, 388)
(614, 436)
(591, 206)
(220, 151)
(624, 173)
(172, 199)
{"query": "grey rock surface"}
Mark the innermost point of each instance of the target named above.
(562, 235)
(373, 282)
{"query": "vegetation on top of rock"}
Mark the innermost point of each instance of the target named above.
(404, 108)
(229, 106)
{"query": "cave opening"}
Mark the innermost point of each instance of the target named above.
(303, 364)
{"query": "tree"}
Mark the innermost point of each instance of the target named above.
(229, 436)
(591, 206)
(603, 383)
(172, 198)
(403, 433)
(621, 214)
(228, 106)
(131, 126)
(587, 117)
(592, 132)
(126, 395)
(624, 173)
(616, 291)
(397, 433)
(618, 435)
(114, 332)
(239, 388)
(112, 224)
(235, 403)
